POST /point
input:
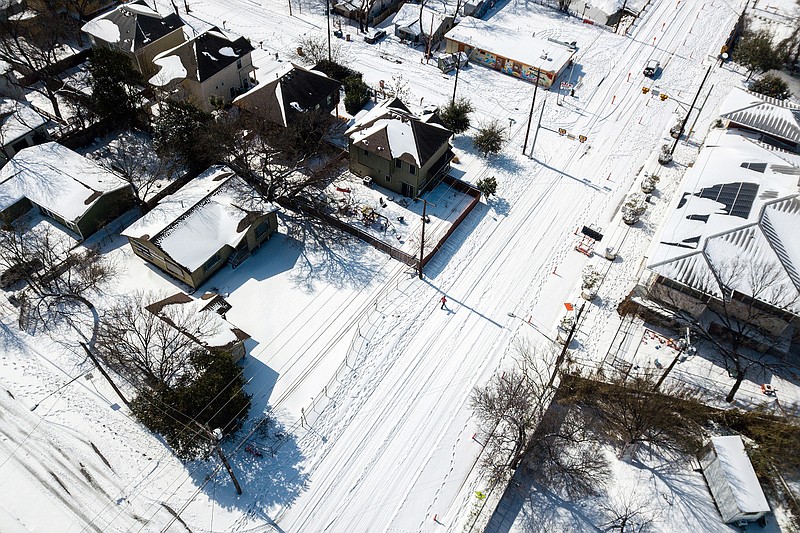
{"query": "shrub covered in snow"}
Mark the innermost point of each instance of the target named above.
(633, 208)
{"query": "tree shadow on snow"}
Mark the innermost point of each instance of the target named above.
(266, 460)
(330, 256)
(456, 240)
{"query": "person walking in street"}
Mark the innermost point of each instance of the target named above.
(444, 302)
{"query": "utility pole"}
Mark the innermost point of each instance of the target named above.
(422, 239)
(290, 8)
(538, 125)
(455, 85)
(563, 354)
(530, 115)
(691, 107)
(216, 436)
(328, 16)
(105, 375)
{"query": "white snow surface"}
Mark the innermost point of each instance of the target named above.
(408, 16)
(102, 29)
(227, 51)
(56, 178)
(739, 473)
(171, 69)
(365, 380)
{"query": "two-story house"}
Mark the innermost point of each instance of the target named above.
(289, 93)
(209, 70)
(137, 31)
(398, 150)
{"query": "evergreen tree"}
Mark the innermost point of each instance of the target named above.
(489, 139)
(186, 132)
(209, 395)
(116, 92)
(356, 94)
(771, 85)
(487, 186)
(756, 52)
(456, 115)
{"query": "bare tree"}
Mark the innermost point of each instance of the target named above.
(628, 512)
(154, 345)
(315, 49)
(564, 5)
(510, 407)
(57, 277)
(281, 163)
(33, 50)
(133, 157)
(742, 303)
(632, 415)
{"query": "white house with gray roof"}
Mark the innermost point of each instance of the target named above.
(736, 219)
(209, 70)
(777, 121)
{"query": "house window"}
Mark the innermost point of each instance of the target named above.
(141, 249)
(239, 63)
(212, 262)
(412, 169)
(364, 151)
(398, 163)
(262, 228)
(388, 178)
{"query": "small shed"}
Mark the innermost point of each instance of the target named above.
(732, 480)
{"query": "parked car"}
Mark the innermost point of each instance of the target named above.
(651, 67)
(374, 35)
(18, 271)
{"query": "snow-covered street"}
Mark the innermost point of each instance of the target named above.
(366, 379)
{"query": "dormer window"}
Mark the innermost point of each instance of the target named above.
(398, 163)
(412, 169)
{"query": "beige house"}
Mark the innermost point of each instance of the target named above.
(209, 70)
(137, 31)
(213, 220)
(398, 150)
(221, 335)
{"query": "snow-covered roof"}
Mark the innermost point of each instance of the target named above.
(739, 474)
(201, 57)
(518, 46)
(609, 7)
(220, 333)
(408, 17)
(56, 178)
(292, 88)
(740, 200)
(132, 26)
(392, 132)
(17, 119)
(768, 115)
(195, 222)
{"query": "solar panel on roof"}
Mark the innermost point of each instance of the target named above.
(738, 196)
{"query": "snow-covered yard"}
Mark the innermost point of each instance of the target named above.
(360, 382)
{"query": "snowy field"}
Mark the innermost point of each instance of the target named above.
(365, 381)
